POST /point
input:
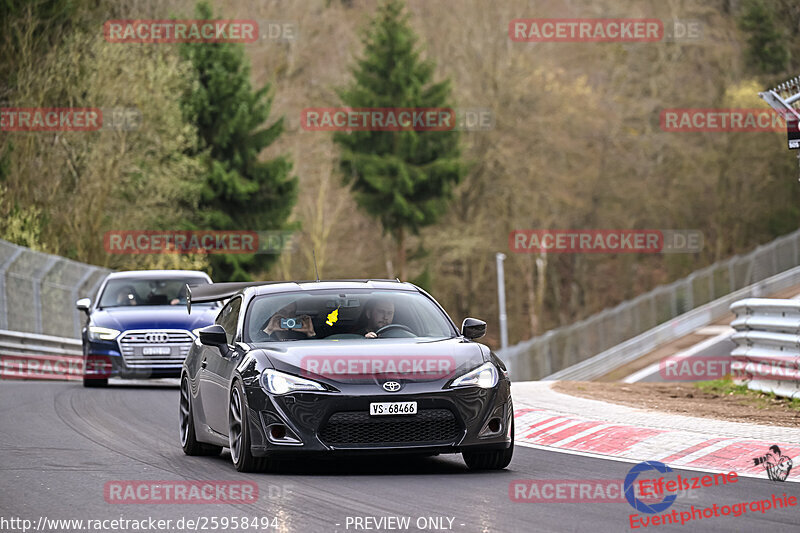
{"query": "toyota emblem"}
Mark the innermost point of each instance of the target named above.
(391, 386)
(156, 338)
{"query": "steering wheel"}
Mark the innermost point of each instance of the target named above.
(396, 326)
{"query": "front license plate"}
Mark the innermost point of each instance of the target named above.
(393, 408)
(157, 350)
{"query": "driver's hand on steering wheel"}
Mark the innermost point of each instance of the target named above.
(371, 335)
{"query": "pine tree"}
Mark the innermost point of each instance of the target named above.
(403, 178)
(240, 192)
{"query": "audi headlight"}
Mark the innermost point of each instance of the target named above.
(485, 377)
(96, 333)
(280, 383)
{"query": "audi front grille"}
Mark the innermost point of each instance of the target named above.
(147, 349)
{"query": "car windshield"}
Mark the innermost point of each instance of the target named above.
(345, 314)
(124, 292)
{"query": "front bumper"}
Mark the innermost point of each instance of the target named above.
(447, 421)
(103, 359)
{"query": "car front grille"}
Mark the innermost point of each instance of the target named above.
(131, 344)
(428, 426)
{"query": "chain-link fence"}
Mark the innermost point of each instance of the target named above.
(563, 347)
(38, 291)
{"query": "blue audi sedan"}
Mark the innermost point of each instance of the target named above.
(139, 327)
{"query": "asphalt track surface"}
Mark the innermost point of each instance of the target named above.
(61, 443)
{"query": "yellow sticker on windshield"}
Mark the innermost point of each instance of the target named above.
(333, 316)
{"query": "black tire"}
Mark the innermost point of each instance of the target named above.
(92, 379)
(188, 436)
(490, 459)
(95, 382)
(239, 433)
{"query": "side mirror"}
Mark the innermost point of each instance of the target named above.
(84, 304)
(472, 328)
(215, 335)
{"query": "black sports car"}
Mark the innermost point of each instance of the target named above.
(341, 367)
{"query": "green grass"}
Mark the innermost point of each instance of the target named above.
(726, 387)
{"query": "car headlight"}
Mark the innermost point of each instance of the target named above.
(196, 332)
(485, 377)
(96, 333)
(279, 383)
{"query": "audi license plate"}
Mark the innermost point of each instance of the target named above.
(156, 350)
(393, 408)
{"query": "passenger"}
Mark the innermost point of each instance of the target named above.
(274, 329)
(126, 296)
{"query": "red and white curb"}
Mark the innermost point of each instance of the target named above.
(549, 420)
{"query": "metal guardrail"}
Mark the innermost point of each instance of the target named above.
(641, 345)
(767, 356)
(18, 343)
(615, 336)
(32, 356)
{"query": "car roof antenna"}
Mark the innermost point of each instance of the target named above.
(314, 255)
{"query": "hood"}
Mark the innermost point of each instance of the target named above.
(154, 317)
(369, 360)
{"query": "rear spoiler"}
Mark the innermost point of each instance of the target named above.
(213, 292)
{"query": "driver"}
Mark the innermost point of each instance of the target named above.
(379, 313)
(126, 296)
